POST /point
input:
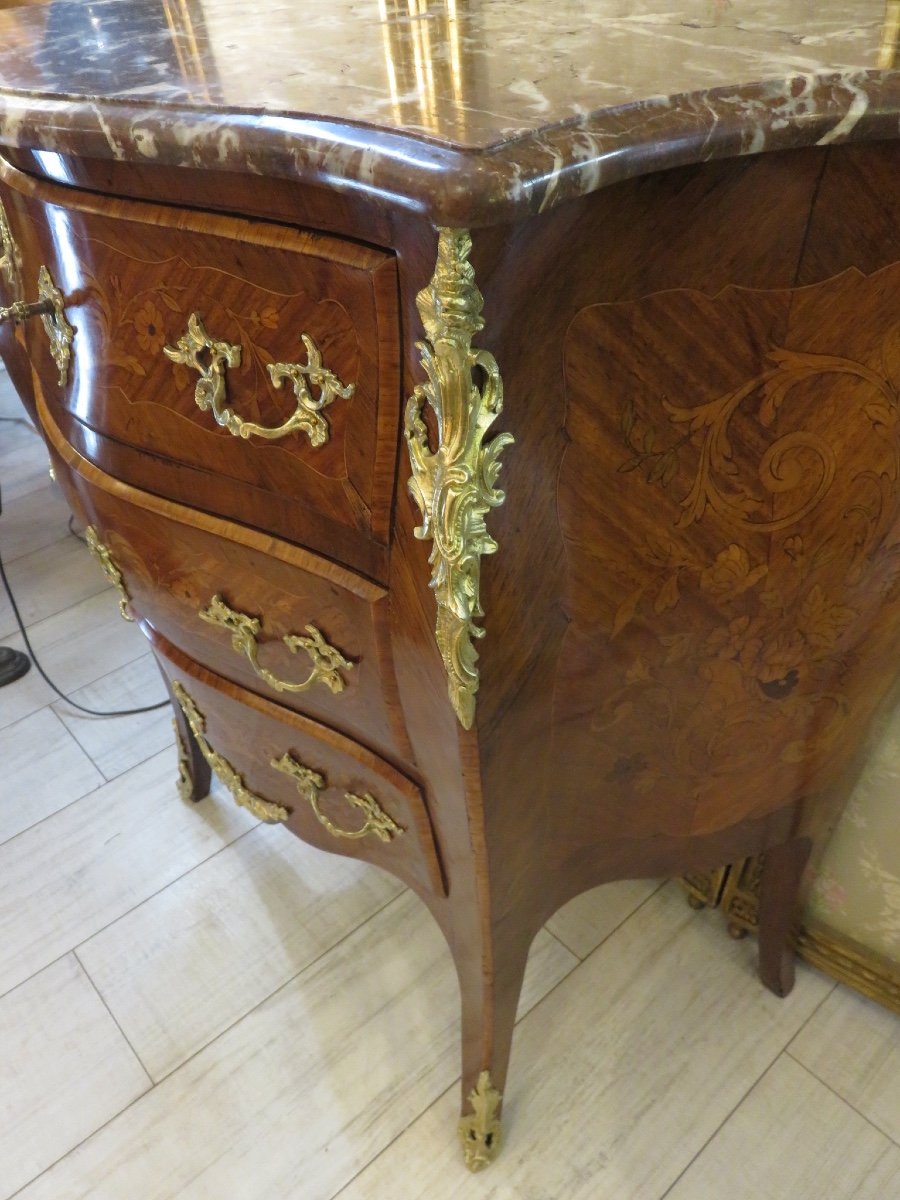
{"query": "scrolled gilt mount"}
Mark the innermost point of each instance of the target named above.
(10, 259)
(327, 662)
(101, 553)
(212, 359)
(265, 810)
(453, 485)
(185, 782)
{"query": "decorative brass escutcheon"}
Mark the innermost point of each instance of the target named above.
(50, 308)
(310, 783)
(265, 810)
(244, 630)
(103, 556)
(211, 359)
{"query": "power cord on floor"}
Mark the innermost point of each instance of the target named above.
(93, 712)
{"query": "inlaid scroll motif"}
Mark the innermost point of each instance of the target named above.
(730, 503)
(454, 485)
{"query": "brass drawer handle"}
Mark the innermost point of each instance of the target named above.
(265, 810)
(326, 660)
(310, 784)
(211, 359)
(102, 554)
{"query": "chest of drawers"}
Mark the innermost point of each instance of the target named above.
(291, 363)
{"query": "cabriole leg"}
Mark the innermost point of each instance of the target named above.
(490, 999)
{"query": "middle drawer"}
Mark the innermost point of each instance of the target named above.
(267, 615)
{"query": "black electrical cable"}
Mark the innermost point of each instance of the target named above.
(93, 712)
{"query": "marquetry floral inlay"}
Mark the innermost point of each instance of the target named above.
(752, 595)
(133, 321)
(149, 325)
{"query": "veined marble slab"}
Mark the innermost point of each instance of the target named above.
(470, 111)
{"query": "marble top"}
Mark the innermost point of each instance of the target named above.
(467, 110)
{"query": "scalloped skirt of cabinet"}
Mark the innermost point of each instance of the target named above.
(283, 767)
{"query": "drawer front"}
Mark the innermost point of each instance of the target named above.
(258, 361)
(269, 616)
(285, 768)
(12, 288)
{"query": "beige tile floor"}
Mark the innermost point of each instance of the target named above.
(196, 1006)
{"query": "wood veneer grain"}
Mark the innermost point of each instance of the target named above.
(622, 621)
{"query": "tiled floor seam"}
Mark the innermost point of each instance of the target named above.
(843, 1099)
(783, 1052)
(10, 559)
(121, 915)
(718, 1129)
(75, 713)
(30, 629)
(114, 1019)
(578, 963)
(107, 778)
(157, 1083)
(297, 975)
(59, 699)
(105, 783)
(455, 1084)
(8, 841)
(72, 1149)
(14, 629)
(583, 958)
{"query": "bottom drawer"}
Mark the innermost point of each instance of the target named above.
(284, 767)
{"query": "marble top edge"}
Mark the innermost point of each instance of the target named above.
(736, 100)
(456, 114)
(468, 186)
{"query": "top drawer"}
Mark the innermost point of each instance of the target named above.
(281, 408)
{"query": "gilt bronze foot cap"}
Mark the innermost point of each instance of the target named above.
(479, 1131)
